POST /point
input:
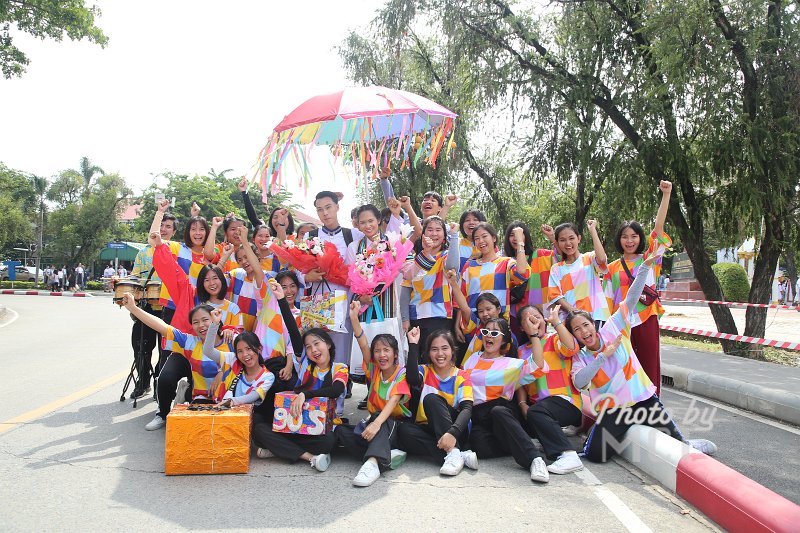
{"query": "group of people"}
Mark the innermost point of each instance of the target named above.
(65, 278)
(501, 338)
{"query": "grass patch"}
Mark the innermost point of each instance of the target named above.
(705, 344)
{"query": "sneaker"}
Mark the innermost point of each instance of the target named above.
(156, 423)
(571, 431)
(367, 474)
(398, 457)
(138, 393)
(321, 462)
(703, 445)
(453, 463)
(470, 459)
(539, 471)
(263, 453)
(362, 405)
(180, 392)
(566, 463)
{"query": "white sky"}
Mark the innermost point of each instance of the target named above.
(182, 86)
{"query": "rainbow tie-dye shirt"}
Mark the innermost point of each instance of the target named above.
(500, 377)
(454, 389)
(580, 284)
(558, 380)
(381, 390)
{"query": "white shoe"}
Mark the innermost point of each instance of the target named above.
(263, 453)
(453, 463)
(470, 459)
(398, 457)
(367, 474)
(566, 463)
(180, 392)
(321, 462)
(703, 445)
(539, 471)
(571, 431)
(156, 423)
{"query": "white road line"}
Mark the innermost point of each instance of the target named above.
(14, 316)
(736, 410)
(624, 514)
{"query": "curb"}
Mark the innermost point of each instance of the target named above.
(46, 293)
(780, 405)
(732, 500)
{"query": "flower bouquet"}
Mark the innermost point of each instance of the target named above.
(380, 263)
(308, 254)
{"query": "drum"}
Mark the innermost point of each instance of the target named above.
(130, 285)
(152, 292)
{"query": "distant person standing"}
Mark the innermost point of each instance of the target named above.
(122, 272)
(108, 273)
(80, 276)
(62, 277)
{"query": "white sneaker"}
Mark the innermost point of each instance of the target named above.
(398, 457)
(263, 453)
(703, 445)
(571, 431)
(156, 423)
(367, 474)
(470, 459)
(180, 392)
(453, 463)
(321, 462)
(539, 471)
(566, 463)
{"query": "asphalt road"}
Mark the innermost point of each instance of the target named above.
(72, 456)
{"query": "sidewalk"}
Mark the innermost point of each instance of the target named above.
(764, 388)
(782, 324)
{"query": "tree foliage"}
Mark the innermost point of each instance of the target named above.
(44, 19)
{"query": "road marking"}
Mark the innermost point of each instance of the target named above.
(61, 402)
(624, 514)
(736, 410)
(14, 316)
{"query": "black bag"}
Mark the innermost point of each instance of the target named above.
(518, 292)
(649, 294)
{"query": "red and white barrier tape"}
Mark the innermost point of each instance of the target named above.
(46, 293)
(732, 304)
(785, 345)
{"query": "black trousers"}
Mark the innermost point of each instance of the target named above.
(175, 367)
(380, 447)
(143, 340)
(609, 431)
(289, 446)
(546, 418)
(421, 439)
(426, 327)
(497, 432)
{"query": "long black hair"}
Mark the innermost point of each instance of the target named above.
(251, 340)
(326, 338)
(289, 227)
(202, 293)
(509, 250)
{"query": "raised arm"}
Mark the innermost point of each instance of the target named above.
(288, 318)
(661, 216)
(386, 185)
(522, 265)
(564, 335)
(166, 266)
(209, 348)
(209, 250)
(152, 322)
(358, 333)
(599, 251)
(583, 377)
(405, 203)
(248, 204)
(161, 208)
(457, 295)
(449, 201)
(453, 260)
(258, 272)
(413, 376)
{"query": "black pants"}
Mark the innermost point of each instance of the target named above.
(497, 432)
(380, 447)
(421, 439)
(426, 327)
(609, 430)
(175, 367)
(143, 340)
(546, 418)
(289, 446)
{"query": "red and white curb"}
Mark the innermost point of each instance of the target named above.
(785, 345)
(732, 500)
(46, 293)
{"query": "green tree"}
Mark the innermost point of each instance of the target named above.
(18, 204)
(44, 19)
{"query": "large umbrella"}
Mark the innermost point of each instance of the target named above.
(365, 126)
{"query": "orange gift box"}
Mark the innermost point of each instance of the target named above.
(208, 442)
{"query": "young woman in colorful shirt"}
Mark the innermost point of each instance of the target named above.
(185, 361)
(551, 402)
(245, 378)
(441, 397)
(631, 242)
(576, 282)
(496, 430)
(619, 390)
(466, 251)
(374, 439)
(425, 300)
(230, 228)
(317, 376)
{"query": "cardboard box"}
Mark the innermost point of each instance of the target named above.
(316, 418)
(208, 442)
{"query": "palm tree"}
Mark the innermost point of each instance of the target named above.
(87, 171)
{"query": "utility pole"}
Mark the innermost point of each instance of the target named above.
(39, 246)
